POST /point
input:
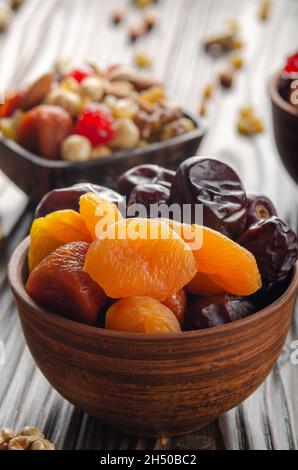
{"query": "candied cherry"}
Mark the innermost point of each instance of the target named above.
(69, 198)
(96, 124)
(141, 315)
(43, 129)
(149, 194)
(259, 207)
(218, 188)
(274, 245)
(60, 284)
(291, 66)
(206, 312)
(81, 73)
(13, 101)
(143, 174)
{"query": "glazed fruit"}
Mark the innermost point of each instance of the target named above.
(177, 303)
(136, 257)
(60, 285)
(95, 123)
(56, 229)
(227, 265)
(98, 214)
(274, 246)
(259, 207)
(43, 129)
(217, 187)
(144, 174)
(141, 315)
(287, 77)
(148, 194)
(217, 310)
(81, 73)
(69, 198)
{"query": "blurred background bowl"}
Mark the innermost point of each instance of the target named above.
(285, 125)
(36, 176)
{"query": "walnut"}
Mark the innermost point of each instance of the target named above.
(151, 123)
(31, 431)
(178, 127)
(19, 443)
(42, 444)
(5, 436)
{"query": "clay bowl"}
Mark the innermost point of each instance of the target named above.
(285, 125)
(36, 176)
(152, 385)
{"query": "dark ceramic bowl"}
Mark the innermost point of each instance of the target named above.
(36, 176)
(285, 125)
(152, 385)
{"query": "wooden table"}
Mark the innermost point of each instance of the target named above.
(40, 32)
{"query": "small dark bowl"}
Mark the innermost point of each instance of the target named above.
(285, 125)
(36, 176)
(152, 385)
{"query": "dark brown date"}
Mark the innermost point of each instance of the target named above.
(143, 174)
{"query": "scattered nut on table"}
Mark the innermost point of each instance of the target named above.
(117, 16)
(226, 78)
(150, 19)
(5, 16)
(264, 9)
(142, 60)
(248, 122)
(29, 438)
(15, 4)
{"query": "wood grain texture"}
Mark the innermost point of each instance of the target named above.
(42, 30)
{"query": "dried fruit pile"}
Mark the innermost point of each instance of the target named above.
(288, 80)
(93, 260)
(85, 113)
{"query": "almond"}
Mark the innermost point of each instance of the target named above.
(37, 91)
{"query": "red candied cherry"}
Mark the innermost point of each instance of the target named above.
(292, 64)
(96, 124)
(80, 73)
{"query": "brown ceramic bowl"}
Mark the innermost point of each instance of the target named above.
(285, 125)
(36, 176)
(152, 385)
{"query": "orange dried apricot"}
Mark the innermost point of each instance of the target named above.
(202, 284)
(98, 213)
(227, 264)
(59, 284)
(141, 315)
(56, 229)
(177, 304)
(140, 257)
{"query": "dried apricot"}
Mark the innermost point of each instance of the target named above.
(177, 304)
(140, 257)
(60, 284)
(98, 213)
(56, 229)
(202, 284)
(229, 266)
(141, 315)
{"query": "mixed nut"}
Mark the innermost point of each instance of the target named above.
(92, 258)
(29, 438)
(85, 113)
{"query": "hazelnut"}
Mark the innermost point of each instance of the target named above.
(5, 16)
(100, 152)
(127, 134)
(68, 100)
(117, 16)
(15, 4)
(135, 32)
(226, 78)
(93, 88)
(42, 444)
(76, 148)
(63, 66)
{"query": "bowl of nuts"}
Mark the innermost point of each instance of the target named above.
(149, 349)
(283, 89)
(85, 124)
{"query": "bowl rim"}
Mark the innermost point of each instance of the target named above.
(15, 270)
(199, 131)
(277, 99)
